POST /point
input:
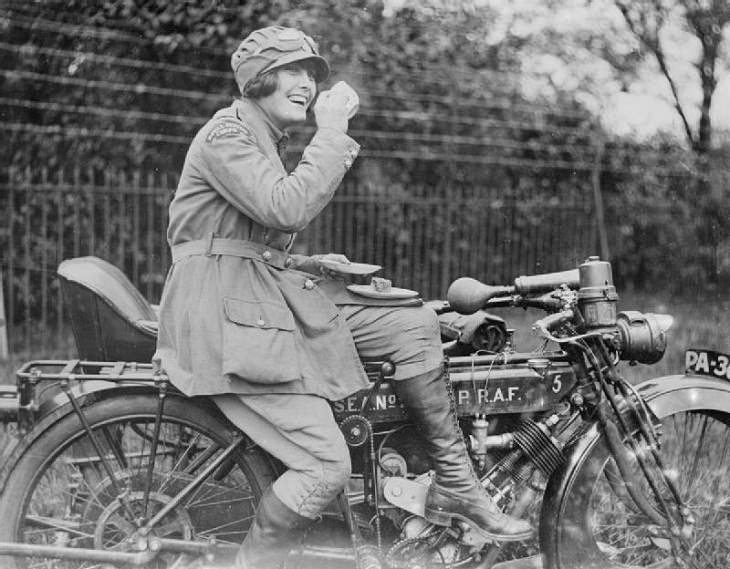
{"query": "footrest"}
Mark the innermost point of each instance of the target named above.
(408, 495)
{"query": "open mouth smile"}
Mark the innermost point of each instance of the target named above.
(300, 100)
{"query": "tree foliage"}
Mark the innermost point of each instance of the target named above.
(431, 85)
(451, 94)
(707, 21)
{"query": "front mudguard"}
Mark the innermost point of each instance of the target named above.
(665, 396)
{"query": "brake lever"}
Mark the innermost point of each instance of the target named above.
(543, 326)
(547, 302)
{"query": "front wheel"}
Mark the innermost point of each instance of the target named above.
(595, 523)
(65, 491)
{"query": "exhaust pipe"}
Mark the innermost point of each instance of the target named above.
(77, 554)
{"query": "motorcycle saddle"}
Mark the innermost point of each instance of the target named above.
(110, 319)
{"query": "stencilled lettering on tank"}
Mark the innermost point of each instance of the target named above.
(503, 394)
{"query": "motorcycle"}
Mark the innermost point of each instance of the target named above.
(115, 468)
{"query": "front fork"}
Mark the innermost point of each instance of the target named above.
(632, 439)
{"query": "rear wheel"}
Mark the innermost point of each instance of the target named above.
(597, 524)
(62, 492)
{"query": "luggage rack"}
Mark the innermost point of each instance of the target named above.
(39, 370)
(38, 380)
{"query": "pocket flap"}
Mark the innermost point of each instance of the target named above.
(259, 313)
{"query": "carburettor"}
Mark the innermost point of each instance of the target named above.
(597, 296)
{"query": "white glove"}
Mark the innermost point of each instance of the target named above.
(353, 101)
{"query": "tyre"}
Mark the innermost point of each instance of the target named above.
(595, 523)
(60, 491)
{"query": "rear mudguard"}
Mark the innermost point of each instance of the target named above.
(54, 405)
(664, 395)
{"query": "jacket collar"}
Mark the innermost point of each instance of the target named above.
(248, 111)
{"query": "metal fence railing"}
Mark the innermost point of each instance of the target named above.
(424, 237)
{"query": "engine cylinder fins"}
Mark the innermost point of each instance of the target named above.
(539, 447)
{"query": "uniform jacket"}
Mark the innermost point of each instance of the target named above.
(253, 324)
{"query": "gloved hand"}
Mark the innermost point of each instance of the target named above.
(313, 265)
(334, 108)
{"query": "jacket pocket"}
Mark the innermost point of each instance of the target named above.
(262, 314)
(259, 341)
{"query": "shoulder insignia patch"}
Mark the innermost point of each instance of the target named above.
(227, 129)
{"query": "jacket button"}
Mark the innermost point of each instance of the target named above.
(266, 255)
(309, 284)
(348, 163)
(287, 262)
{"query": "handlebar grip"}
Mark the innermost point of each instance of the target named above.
(547, 282)
(467, 295)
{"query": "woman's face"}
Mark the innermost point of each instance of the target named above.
(289, 103)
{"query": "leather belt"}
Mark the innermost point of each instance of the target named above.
(234, 248)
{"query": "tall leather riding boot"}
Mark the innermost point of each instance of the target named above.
(275, 530)
(455, 493)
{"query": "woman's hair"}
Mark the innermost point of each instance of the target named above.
(261, 86)
(266, 83)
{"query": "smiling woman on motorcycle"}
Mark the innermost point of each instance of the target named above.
(270, 338)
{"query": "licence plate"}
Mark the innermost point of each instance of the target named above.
(707, 362)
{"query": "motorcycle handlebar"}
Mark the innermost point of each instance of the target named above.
(547, 281)
(467, 295)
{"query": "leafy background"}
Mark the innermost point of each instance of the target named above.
(482, 96)
(123, 85)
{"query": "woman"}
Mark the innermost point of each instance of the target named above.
(249, 324)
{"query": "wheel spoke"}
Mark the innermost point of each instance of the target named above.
(42, 524)
(699, 446)
(64, 497)
(695, 449)
(113, 441)
(176, 468)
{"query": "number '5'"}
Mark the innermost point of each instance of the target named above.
(557, 384)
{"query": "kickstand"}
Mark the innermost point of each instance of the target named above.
(366, 556)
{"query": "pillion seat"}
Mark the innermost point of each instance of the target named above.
(110, 318)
